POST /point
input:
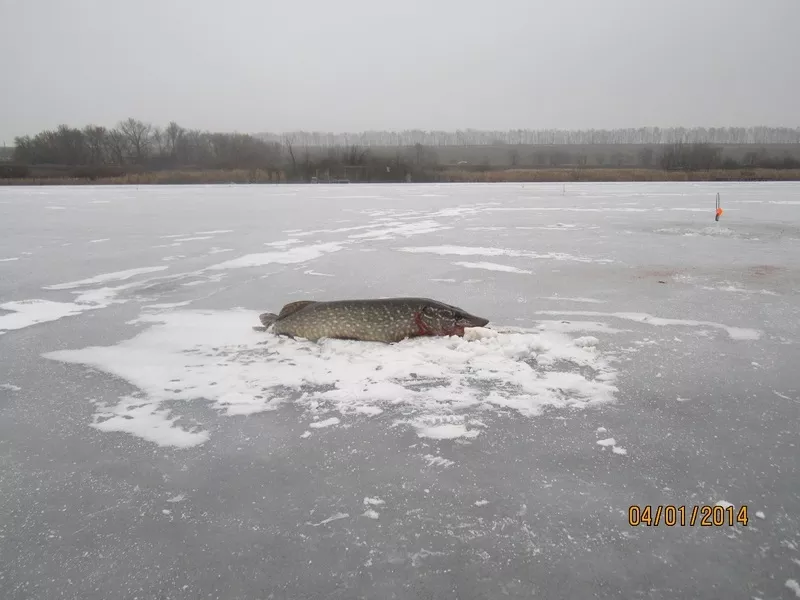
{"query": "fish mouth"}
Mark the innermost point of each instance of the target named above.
(472, 322)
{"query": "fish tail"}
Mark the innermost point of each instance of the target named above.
(267, 319)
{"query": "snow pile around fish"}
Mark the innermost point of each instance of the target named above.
(438, 386)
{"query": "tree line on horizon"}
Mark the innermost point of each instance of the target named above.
(546, 137)
(135, 146)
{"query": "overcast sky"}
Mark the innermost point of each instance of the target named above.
(351, 65)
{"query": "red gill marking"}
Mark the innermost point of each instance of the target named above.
(422, 329)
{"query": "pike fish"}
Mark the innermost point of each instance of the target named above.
(382, 320)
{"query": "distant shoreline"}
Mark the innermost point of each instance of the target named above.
(541, 175)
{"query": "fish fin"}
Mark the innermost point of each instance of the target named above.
(293, 307)
(267, 319)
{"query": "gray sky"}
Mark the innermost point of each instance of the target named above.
(351, 65)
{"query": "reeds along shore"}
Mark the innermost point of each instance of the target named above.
(245, 176)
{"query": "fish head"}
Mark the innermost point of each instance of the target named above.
(443, 319)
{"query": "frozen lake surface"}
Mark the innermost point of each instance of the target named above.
(638, 353)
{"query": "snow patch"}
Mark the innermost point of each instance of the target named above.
(400, 229)
(9, 259)
(736, 333)
(566, 299)
(326, 423)
(299, 254)
(723, 504)
(481, 251)
(191, 239)
(607, 442)
(10, 387)
(25, 313)
(215, 357)
(371, 514)
(793, 586)
(116, 276)
(438, 461)
(490, 266)
(167, 305)
(335, 517)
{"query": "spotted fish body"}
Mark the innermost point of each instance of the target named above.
(381, 320)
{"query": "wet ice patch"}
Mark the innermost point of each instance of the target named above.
(299, 254)
(736, 333)
(490, 266)
(432, 385)
(100, 241)
(9, 259)
(116, 276)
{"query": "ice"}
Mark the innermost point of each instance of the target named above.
(9, 259)
(215, 356)
(607, 442)
(99, 241)
(723, 504)
(490, 266)
(116, 276)
(373, 501)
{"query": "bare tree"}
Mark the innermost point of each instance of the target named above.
(288, 141)
(138, 136)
